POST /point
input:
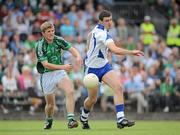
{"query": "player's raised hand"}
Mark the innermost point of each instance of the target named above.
(137, 53)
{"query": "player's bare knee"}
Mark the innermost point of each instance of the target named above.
(93, 100)
(118, 90)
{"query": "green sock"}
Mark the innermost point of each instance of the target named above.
(70, 116)
(49, 119)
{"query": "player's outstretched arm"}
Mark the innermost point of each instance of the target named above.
(120, 51)
(77, 55)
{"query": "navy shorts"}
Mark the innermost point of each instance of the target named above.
(99, 72)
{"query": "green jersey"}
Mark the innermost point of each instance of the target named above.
(50, 52)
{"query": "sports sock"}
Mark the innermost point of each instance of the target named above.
(120, 112)
(49, 119)
(84, 114)
(70, 116)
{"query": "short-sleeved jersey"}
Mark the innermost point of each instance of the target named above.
(98, 40)
(50, 52)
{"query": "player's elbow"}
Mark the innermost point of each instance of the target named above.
(116, 51)
(45, 63)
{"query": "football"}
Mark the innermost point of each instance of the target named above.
(90, 80)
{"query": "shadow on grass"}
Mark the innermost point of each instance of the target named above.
(56, 130)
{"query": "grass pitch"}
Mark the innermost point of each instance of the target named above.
(97, 128)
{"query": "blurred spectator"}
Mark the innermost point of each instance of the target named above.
(130, 45)
(122, 31)
(89, 9)
(25, 5)
(123, 77)
(16, 12)
(22, 28)
(29, 16)
(72, 16)
(3, 12)
(10, 4)
(19, 63)
(176, 97)
(113, 31)
(3, 49)
(82, 20)
(67, 30)
(107, 101)
(25, 80)
(176, 54)
(15, 44)
(99, 8)
(27, 85)
(173, 34)
(4, 62)
(9, 83)
(134, 89)
(80, 46)
(36, 29)
(30, 42)
(44, 13)
(4, 109)
(147, 32)
(7, 27)
(166, 92)
(164, 50)
(30, 58)
(58, 11)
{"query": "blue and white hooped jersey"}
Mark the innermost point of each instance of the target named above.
(97, 41)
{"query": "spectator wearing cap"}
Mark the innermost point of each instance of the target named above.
(147, 31)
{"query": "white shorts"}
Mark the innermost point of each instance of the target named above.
(50, 80)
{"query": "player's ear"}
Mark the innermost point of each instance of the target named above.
(43, 33)
(100, 21)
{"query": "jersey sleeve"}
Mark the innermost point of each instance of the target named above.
(63, 44)
(40, 53)
(108, 39)
(105, 38)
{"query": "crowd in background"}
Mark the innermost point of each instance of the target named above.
(153, 81)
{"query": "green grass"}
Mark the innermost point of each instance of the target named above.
(97, 128)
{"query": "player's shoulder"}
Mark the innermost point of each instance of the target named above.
(99, 30)
(100, 33)
(58, 38)
(39, 43)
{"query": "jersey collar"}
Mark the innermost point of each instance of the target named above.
(100, 26)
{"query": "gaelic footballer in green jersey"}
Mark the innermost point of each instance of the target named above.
(53, 72)
(50, 52)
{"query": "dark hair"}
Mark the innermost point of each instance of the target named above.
(104, 13)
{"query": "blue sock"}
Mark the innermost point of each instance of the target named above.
(120, 112)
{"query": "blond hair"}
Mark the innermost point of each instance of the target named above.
(46, 25)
